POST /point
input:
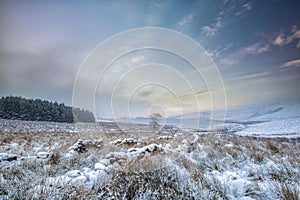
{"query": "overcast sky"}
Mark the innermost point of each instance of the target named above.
(254, 44)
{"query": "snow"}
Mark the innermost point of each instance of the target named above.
(14, 145)
(8, 157)
(104, 161)
(281, 128)
(149, 148)
(78, 181)
(17, 126)
(73, 173)
(58, 181)
(127, 141)
(85, 170)
(43, 155)
(282, 120)
(276, 120)
(118, 141)
(97, 175)
(95, 143)
(100, 166)
(165, 137)
(233, 182)
(78, 146)
(229, 145)
(85, 177)
(238, 177)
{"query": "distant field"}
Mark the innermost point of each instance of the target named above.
(67, 164)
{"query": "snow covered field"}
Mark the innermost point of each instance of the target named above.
(278, 120)
(254, 156)
(266, 121)
(48, 162)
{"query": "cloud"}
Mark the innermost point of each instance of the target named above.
(251, 76)
(126, 62)
(225, 1)
(137, 59)
(293, 63)
(232, 9)
(145, 94)
(238, 8)
(262, 47)
(186, 20)
(245, 7)
(194, 94)
(209, 31)
(213, 52)
(295, 35)
(282, 40)
(228, 61)
(287, 78)
(254, 49)
(117, 69)
(219, 50)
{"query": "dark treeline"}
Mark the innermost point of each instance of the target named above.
(41, 110)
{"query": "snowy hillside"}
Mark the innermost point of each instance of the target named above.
(279, 120)
(265, 121)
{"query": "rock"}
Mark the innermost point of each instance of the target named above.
(100, 166)
(97, 177)
(96, 174)
(58, 181)
(129, 141)
(43, 155)
(78, 147)
(78, 181)
(92, 175)
(14, 145)
(114, 167)
(126, 141)
(152, 148)
(87, 142)
(118, 141)
(105, 161)
(70, 154)
(73, 173)
(7, 165)
(86, 170)
(149, 148)
(8, 157)
(94, 143)
(132, 150)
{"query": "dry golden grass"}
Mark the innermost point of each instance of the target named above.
(288, 193)
(222, 152)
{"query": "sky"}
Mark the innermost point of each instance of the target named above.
(253, 44)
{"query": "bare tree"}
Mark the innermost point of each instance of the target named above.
(155, 120)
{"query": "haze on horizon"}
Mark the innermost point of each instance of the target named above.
(255, 45)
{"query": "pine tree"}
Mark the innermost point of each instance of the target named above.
(39, 110)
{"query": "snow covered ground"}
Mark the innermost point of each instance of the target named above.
(278, 120)
(90, 165)
(281, 120)
(256, 155)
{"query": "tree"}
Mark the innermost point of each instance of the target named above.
(155, 120)
(38, 110)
